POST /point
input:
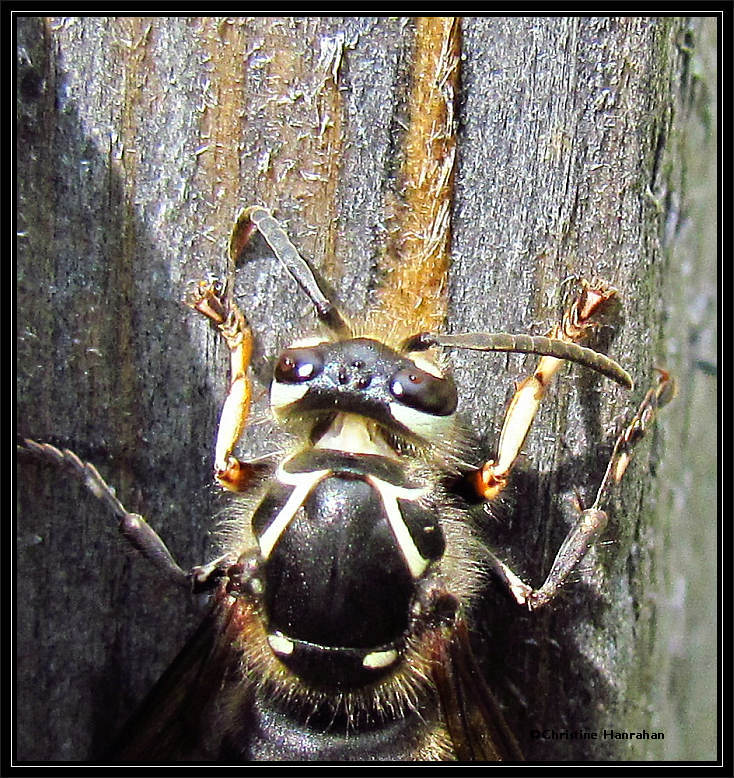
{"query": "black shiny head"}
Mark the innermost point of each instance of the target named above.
(364, 377)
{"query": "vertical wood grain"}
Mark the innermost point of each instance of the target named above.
(139, 139)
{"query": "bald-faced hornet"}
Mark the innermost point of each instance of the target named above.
(338, 628)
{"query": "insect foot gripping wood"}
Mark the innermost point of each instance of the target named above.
(338, 627)
(591, 521)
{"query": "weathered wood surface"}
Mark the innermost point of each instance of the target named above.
(139, 139)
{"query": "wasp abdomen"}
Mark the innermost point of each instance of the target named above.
(344, 541)
(274, 734)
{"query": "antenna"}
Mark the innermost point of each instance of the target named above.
(258, 217)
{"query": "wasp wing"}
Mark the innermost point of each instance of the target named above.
(171, 724)
(473, 717)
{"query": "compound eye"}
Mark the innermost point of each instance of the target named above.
(424, 392)
(297, 365)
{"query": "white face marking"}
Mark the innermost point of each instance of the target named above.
(280, 644)
(389, 495)
(424, 424)
(308, 342)
(427, 365)
(349, 432)
(283, 395)
(378, 659)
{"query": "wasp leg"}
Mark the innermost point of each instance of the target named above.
(133, 526)
(592, 521)
(208, 299)
(588, 527)
(490, 479)
(657, 397)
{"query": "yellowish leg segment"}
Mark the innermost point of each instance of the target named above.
(208, 299)
(493, 476)
(592, 521)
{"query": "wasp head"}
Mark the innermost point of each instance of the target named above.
(366, 378)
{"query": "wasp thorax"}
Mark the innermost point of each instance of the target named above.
(346, 542)
(364, 377)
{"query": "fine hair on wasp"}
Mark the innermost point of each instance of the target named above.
(334, 321)
(347, 563)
